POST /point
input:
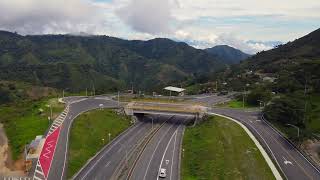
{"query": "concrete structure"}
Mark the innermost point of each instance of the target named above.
(195, 111)
(175, 89)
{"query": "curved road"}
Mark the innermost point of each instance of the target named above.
(77, 105)
(292, 164)
(163, 149)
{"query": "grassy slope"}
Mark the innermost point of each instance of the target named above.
(220, 149)
(314, 123)
(23, 121)
(87, 133)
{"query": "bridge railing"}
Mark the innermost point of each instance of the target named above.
(167, 107)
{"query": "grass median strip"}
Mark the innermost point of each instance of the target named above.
(220, 149)
(90, 132)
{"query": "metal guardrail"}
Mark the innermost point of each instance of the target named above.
(304, 154)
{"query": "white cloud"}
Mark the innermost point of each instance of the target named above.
(147, 16)
(51, 16)
(188, 9)
(201, 23)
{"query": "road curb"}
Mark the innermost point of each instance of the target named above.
(257, 143)
(180, 154)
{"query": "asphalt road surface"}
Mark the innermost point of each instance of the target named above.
(78, 105)
(292, 163)
(106, 162)
(211, 99)
(163, 151)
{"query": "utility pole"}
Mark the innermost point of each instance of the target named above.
(62, 93)
(243, 95)
(118, 99)
(305, 100)
(131, 87)
(50, 111)
(86, 91)
(152, 123)
(244, 91)
(217, 85)
(94, 90)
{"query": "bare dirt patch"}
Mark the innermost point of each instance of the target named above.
(312, 147)
(7, 166)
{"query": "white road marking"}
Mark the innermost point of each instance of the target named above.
(165, 151)
(155, 151)
(174, 148)
(119, 150)
(286, 162)
(108, 163)
(115, 143)
(35, 177)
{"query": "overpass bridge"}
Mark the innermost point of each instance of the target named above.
(135, 108)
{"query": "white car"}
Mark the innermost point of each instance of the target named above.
(162, 173)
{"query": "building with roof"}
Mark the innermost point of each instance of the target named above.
(180, 91)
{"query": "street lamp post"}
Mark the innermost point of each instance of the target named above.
(298, 129)
(261, 104)
(243, 95)
(49, 106)
(118, 99)
(109, 136)
(152, 122)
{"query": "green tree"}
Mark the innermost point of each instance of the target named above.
(4, 96)
(285, 110)
(257, 95)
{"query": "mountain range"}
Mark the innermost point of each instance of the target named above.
(228, 54)
(291, 66)
(108, 63)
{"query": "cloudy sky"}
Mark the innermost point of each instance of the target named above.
(249, 25)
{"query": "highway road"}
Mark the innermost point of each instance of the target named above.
(211, 99)
(106, 162)
(164, 148)
(291, 162)
(163, 151)
(77, 105)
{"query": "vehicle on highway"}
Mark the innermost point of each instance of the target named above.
(162, 173)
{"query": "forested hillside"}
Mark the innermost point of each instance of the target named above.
(78, 62)
(228, 54)
(286, 79)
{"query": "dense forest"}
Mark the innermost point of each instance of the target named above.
(79, 62)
